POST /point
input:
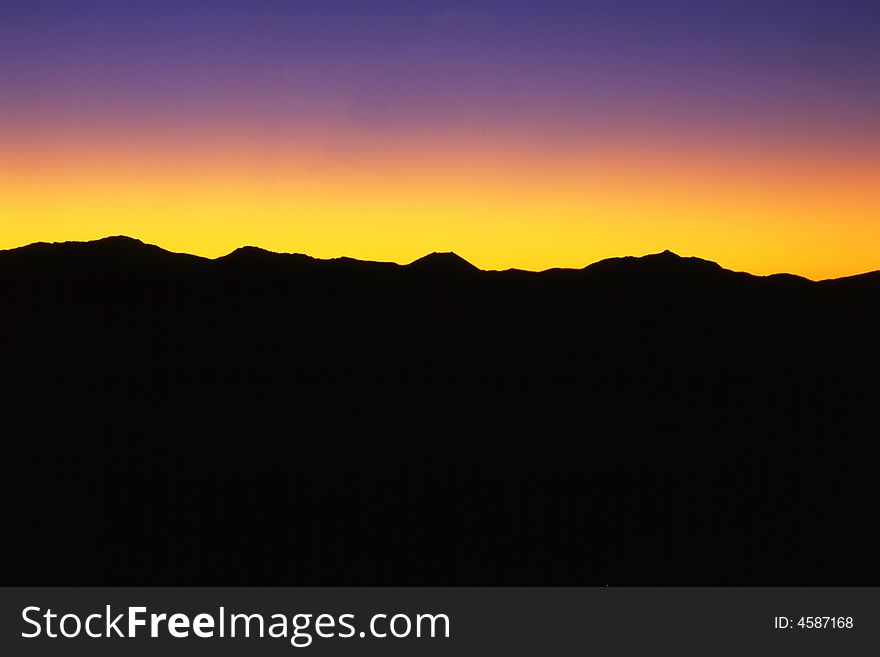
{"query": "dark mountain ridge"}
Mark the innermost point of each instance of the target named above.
(126, 250)
(267, 418)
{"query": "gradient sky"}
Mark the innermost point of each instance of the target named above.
(518, 134)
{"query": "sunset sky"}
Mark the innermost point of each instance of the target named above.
(524, 134)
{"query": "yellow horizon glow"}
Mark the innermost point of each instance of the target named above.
(498, 204)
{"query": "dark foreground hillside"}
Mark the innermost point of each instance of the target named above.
(275, 419)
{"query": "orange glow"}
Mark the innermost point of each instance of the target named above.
(498, 200)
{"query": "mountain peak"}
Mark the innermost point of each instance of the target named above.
(119, 240)
(443, 262)
(257, 256)
(116, 245)
(122, 247)
(111, 244)
(248, 252)
(665, 262)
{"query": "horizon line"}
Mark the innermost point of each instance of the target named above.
(665, 252)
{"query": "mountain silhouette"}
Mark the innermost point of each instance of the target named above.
(443, 263)
(264, 418)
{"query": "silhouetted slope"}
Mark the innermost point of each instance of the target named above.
(271, 418)
(122, 251)
(665, 263)
(443, 264)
